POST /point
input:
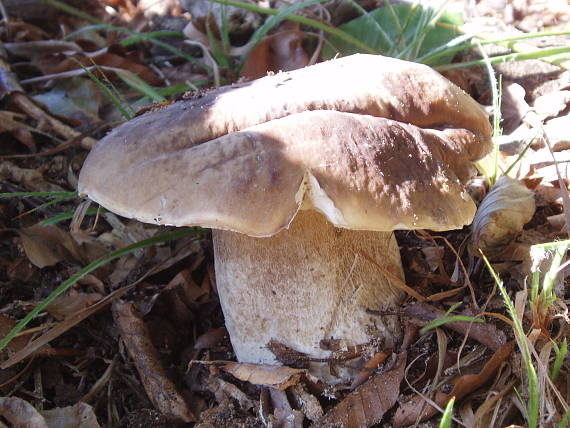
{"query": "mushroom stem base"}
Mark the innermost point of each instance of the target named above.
(306, 284)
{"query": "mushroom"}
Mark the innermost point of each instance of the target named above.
(303, 177)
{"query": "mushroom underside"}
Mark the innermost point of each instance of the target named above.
(307, 284)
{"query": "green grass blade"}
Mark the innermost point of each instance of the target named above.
(140, 85)
(496, 94)
(447, 416)
(43, 206)
(72, 11)
(67, 195)
(67, 216)
(304, 21)
(109, 94)
(532, 379)
(444, 320)
(144, 36)
(506, 41)
(561, 353)
(133, 40)
(517, 56)
(164, 237)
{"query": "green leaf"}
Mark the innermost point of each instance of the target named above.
(409, 29)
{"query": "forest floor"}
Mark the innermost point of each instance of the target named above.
(139, 340)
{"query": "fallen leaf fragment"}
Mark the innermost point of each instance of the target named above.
(20, 413)
(489, 335)
(285, 416)
(223, 390)
(282, 51)
(552, 103)
(368, 403)
(70, 303)
(46, 246)
(368, 369)
(513, 105)
(416, 408)
(308, 403)
(80, 415)
(161, 391)
(502, 215)
(31, 179)
(277, 377)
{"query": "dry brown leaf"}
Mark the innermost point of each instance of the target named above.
(46, 246)
(368, 403)
(502, 215)
(282, 51)
(417, 409)
(68, 304)
(159, 388)
(278, 377)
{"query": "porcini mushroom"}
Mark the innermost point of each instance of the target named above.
(299, 175)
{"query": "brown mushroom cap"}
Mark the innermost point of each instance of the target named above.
(245, 157)
(360, 171)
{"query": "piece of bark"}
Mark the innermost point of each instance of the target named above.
(159, 388)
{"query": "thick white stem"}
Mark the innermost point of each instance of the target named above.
(305, 284)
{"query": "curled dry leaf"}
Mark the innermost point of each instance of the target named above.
(417, 409)
(278, 377)
(285, 416)
(211, 338)
(513, 105)
(368, 403)
(282, 51)
(159, 388)
(502, 215)
(20, 413)
(422, 313)
(369, 368)
(46, 246)
(223, 390)
(307, 402)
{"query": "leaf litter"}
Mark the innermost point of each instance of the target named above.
(165, 312)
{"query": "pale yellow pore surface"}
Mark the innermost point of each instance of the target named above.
(305, 284)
